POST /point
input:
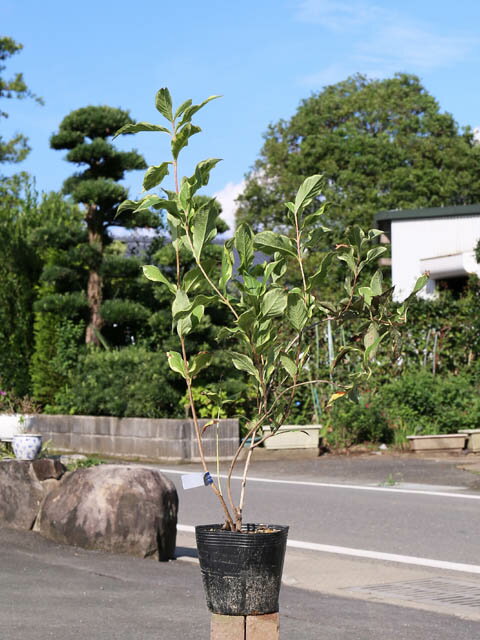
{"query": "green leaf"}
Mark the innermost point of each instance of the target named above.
(156, 202)
(420, 283)
(274, 270)
(227, 332)
(154, 175)
(204, 300)
(189, 319)
(297, 312)
(367, 295)
(243, 241)
(270, 242)
(320, 275)
(199, 362)
(192, 110)
(152, 272)
(182, 137)
(289, 365)
(126, 205)
(140, 126)
(246, 320)
(372, 348)
(163, 103)
(227, 267)
(349, 259)
(204, 229)
(182, 108)
(371, 335)
(376, 283)
(194, 276)
(244, 363)
(315, 217)
(374, 233)
(325, 305)
(181, 304)
(310, 189)
(273, 303)
(375, 253)
(176, 363)
(202, 173)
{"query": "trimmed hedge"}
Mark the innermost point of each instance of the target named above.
(127, 382)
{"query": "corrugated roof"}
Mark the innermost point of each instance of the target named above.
(435, 212)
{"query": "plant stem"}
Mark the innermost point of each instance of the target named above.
(188, 379)
(225, 300)
(238, 522)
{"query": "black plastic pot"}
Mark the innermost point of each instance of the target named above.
(241, 570)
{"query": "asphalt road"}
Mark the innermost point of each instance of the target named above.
(53, 591)
(429, 525)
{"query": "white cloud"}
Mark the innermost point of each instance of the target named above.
(226, 197)
(380, 41)
(407, 46)
(338, 16)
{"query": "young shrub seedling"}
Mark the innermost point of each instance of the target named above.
(260, 300)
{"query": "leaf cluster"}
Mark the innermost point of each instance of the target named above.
(268, 318)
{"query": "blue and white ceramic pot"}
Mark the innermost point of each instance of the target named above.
(26, 446)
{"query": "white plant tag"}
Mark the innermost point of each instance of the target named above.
(192, 480)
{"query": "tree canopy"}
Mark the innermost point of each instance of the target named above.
(15, 149)
(380, 144)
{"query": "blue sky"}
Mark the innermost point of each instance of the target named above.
(263, 56)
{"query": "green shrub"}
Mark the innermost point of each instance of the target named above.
(58, 342)
(428, 404)
(348, 424)
(127, 382)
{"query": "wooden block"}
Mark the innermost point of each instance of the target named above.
(227, 627)
(265, 627)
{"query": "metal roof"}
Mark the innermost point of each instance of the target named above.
(435, 212)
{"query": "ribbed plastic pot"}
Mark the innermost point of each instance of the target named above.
(241, 570)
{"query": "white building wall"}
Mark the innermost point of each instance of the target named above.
(421, 239)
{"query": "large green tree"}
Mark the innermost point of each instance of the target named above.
(380, 144)
(84, 133)
(15, 149)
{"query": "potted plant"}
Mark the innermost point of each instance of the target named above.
(241, 563)
(26, 445)
(15, 419)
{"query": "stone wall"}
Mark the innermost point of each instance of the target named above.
(143, 438)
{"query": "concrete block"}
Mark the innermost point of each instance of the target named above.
(265, 627)
(227, 627)
(60, 441)
(103, 445)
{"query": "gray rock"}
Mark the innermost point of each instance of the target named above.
(21, 494)
(46, 468)
(115, 508)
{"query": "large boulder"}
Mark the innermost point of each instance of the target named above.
(115, 508)
(21, 494)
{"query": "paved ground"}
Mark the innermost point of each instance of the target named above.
(53, 591)
(378, 468)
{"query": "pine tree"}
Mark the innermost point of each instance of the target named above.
(15, 149)
(84, 133)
